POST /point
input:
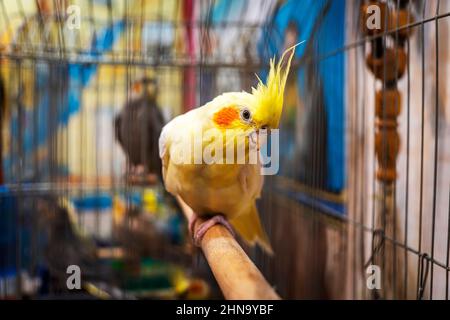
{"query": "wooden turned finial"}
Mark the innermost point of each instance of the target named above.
(387, 144)
(387, 61)
(398, 19)
(390, 66)
(388, 103)
(387, 139)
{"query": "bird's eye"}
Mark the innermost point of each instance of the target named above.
(246, 115)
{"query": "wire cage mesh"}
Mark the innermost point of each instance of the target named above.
(71, 196)
(404, 225)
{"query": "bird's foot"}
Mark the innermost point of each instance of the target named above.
(197, 235)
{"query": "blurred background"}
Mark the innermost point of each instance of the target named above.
(86, 85)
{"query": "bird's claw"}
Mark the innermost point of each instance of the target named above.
(197, 236)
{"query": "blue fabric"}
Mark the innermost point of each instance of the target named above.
(8, 207)
(331, 36)
(315, 203)
(11, 231)
(93, 202)
(227, 10)
(332, 72)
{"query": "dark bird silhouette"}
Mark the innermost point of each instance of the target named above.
(138, 126)
(137, 129)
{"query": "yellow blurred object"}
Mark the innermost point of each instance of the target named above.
(96, 291)
(189, 288)
(119, 210)
(149, 201)
(180, 281)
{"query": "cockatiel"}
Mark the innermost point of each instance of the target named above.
(224, 191)
(138, 126)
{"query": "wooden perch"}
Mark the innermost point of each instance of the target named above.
(236, 274)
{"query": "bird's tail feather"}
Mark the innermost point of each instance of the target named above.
(249, 226)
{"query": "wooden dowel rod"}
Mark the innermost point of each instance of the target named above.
(236, 274)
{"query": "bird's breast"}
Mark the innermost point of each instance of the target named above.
(214, 188)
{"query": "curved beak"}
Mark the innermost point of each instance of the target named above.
(254, 139)
(258, 137)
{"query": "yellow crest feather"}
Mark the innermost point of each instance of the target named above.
(270, 95)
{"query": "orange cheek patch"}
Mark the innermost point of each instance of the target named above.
(226, 116)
